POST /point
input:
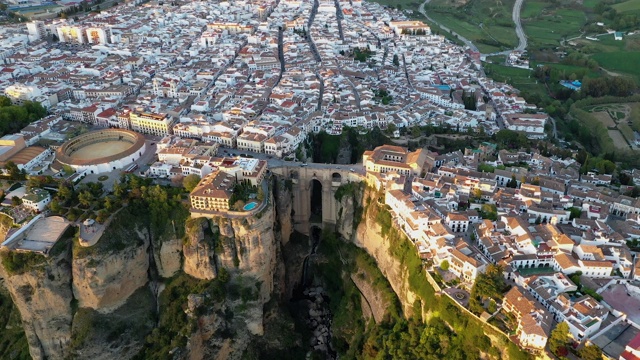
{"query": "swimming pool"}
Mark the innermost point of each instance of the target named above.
(250, 206)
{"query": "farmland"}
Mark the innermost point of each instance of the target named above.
(618, 140)
(616, 118)
(631, 5)
(522, 79)
(620, 61)
(487, 23)
(546, 25)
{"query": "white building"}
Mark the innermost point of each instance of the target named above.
(72, 34)
(96, 35)
(37, 30)
(36, 199)
(19, 93)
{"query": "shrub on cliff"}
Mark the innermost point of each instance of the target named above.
(17, 263)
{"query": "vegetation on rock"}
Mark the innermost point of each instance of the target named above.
(13, 343)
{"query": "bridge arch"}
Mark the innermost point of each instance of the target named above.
(315, 200)
(313, 192)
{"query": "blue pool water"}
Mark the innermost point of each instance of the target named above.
(250, 206)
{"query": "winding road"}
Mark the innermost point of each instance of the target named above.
(522, 37)
(515, 16)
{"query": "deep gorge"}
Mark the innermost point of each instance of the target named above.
(236, 289)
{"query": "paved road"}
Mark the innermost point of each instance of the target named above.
(515, 15)
(522, 37)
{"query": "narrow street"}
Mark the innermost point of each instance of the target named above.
(339, 17)
(281, 56)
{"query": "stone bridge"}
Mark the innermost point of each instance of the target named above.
(318, 178)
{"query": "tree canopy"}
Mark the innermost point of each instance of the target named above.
(559, 338)
(590, 352)
(190, 182)
(14, 117)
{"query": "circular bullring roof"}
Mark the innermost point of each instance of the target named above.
(99, 147)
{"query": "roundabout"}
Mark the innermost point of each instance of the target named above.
(102, 151)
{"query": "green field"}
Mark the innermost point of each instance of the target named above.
(522, 79)
(551, 27)
(590, 4)
(404, 4)
(620, 61)
(532, 8)
(487, 24)
(580, 71)
(631, 5)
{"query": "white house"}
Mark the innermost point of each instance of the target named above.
(36, 199)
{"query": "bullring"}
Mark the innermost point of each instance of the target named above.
(102, 151)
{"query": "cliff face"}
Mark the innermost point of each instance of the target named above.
(346, 214)
(75, 303)
(284, 207)
(368, 236)
(249, 248)
(198, 250)
(242, 245)
(104, 282)
(169, 259)
(373, 302)
(43, 297)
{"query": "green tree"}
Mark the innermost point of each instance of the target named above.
(13, 170)
(190, 182)
(559, 338)
(490, 284)
(65, 192)
(68, 170)
(489, 211)
(54, 206)
(590, 352)
(444, 265)
(396, 60)
(476, 193)
(85, 198)
(16, 201)
(575, 212)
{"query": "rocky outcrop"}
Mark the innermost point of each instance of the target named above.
(249, 247)
(368, 236)
(284, 207)
(244, 246)
(349, 209)
(169, 260)
(43, 296)
(198, 250)
(373, 300)
(346, 215)
(104, 282)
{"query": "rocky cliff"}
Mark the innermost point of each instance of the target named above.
(42, 293)
(104, 282)
(368, 236)
(198, 249)
(244, 246)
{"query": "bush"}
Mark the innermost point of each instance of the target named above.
(20, 262)
(444, 265)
